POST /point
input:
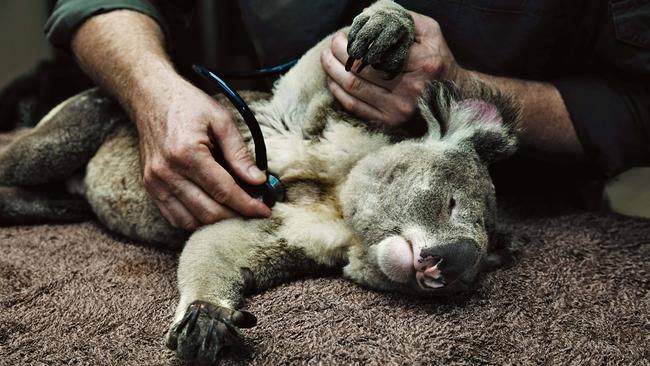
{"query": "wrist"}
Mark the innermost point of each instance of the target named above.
(125, 64)
(152, 84)
(466, 79)
(455, 73)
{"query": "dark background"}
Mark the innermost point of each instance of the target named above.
(21, 36)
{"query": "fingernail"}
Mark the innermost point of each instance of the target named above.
(256, 173)
(264, 210)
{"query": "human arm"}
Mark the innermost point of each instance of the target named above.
(599, 111)
(178, 124)
(368, 95)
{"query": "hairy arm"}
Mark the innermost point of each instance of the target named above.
(178, 124)
(547, 131)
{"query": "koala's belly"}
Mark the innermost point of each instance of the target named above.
(115, 192)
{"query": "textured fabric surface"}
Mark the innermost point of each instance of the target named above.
(579, 294)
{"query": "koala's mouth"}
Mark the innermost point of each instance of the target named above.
(430, 277)
(441, 266)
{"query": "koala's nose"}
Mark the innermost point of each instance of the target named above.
(441, 265)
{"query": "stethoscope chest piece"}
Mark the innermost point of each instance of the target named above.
(274, 191)
(270, 192)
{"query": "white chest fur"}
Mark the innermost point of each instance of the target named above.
(312, 223)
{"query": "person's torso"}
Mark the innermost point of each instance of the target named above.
(524, 38)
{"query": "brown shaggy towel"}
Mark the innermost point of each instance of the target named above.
(579, 294)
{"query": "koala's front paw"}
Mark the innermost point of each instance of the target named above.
(205, 330)
(381, 36)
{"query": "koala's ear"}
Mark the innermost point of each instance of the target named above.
(481, 117)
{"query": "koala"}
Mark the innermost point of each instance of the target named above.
(391, 211)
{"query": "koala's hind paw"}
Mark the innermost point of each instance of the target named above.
(381, 37)
(205, 330)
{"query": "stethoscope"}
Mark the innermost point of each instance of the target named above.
(272, 191)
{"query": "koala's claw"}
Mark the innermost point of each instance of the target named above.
(382, 38)
(350, 63)
(205, 329)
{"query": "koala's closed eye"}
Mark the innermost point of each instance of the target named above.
(452, 205)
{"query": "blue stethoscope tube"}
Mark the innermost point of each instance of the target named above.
(273, 190)
(244, 111)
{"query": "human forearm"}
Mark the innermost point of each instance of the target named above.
(547, 131)
(546, 128)
(179, 125)
(130, 65)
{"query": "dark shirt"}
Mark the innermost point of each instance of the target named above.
(596, 52)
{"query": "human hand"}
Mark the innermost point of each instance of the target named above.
(179, 125)
(391, 102)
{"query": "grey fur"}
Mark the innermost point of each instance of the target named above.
(27, 205)
(62, 142)
(350, 188)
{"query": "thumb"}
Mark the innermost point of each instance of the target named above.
(235, 151)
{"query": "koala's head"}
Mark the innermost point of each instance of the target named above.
(425, 209)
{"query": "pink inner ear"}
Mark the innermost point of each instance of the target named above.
(483, 111)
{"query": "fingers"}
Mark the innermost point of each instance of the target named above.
(171, 209)
(363, 98)
(203, 207)
(352, 104)
(175, 213)
(354, 85)
(198, 192)
(220, 186)
(180, 173)
(235, 151)
(184, 204)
